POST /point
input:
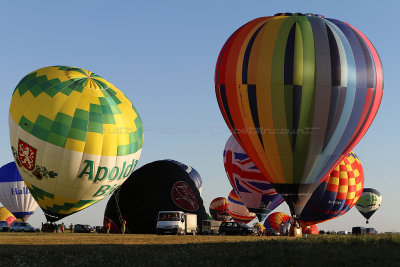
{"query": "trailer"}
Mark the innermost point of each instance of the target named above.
(210, 227)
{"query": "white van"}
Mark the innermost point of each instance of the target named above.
(176, 223)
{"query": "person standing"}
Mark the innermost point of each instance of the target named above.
(108, 226)
(282, 228)
(71, 227)
(123, 226)
(62, 227)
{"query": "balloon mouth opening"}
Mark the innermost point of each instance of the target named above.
(289, 14)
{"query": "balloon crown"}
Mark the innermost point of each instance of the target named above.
(288, 14)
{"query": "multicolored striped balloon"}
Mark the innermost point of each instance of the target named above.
(219, 209)
(337, 194)
(7, 216)
(238, 210)
(252, 186)
(298, 91)
(310, 229)
(275, 219)
(369, 202)
(75, 138)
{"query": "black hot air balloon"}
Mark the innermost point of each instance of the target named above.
(162, 185)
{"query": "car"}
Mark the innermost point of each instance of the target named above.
(99, 229)
(82, 228)
(359, 230)
(371, 231)
(21, 227)
(236, 228)
(342, 232)
(4, 226)
(48, 227)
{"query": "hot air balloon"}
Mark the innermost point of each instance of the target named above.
(194, 175)
(75, 138)
(310, 229)
(275, 219)
(6, 216)
(219, 209)
(252, 186)
(337, 194)
(14, 194)
(298, 91)
(238, 210)
(369, 202)
(163, 185)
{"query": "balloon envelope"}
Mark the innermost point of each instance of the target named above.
(337, 194)
(275, 219)
(219, 209)
(14, 194)
(194, 175)
(252, 186)
(369, 202)
(298, 92)
(162, 185)
(75, 138)
(7, 216)
(310, 229)
(238, 210)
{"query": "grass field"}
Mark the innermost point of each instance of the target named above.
(41, 249)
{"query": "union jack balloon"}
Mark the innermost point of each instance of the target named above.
(253, 188)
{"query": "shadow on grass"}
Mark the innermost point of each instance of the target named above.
(285, 252)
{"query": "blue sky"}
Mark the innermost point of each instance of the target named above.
(162, 55)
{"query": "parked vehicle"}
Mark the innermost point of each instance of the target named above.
(99, 229)
(236, 228)
(4, 226)
(176, 223)
(21, 227)
(358, 230)
(210, 227)
(371, 231)
(48, 227)
(82, 228)
(343, 232)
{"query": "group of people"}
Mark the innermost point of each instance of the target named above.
(50, 227)
(286, 228)
(108, 226)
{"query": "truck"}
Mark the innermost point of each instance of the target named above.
(210, 227)
(176, 223)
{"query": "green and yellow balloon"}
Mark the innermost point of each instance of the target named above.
(75, 138)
